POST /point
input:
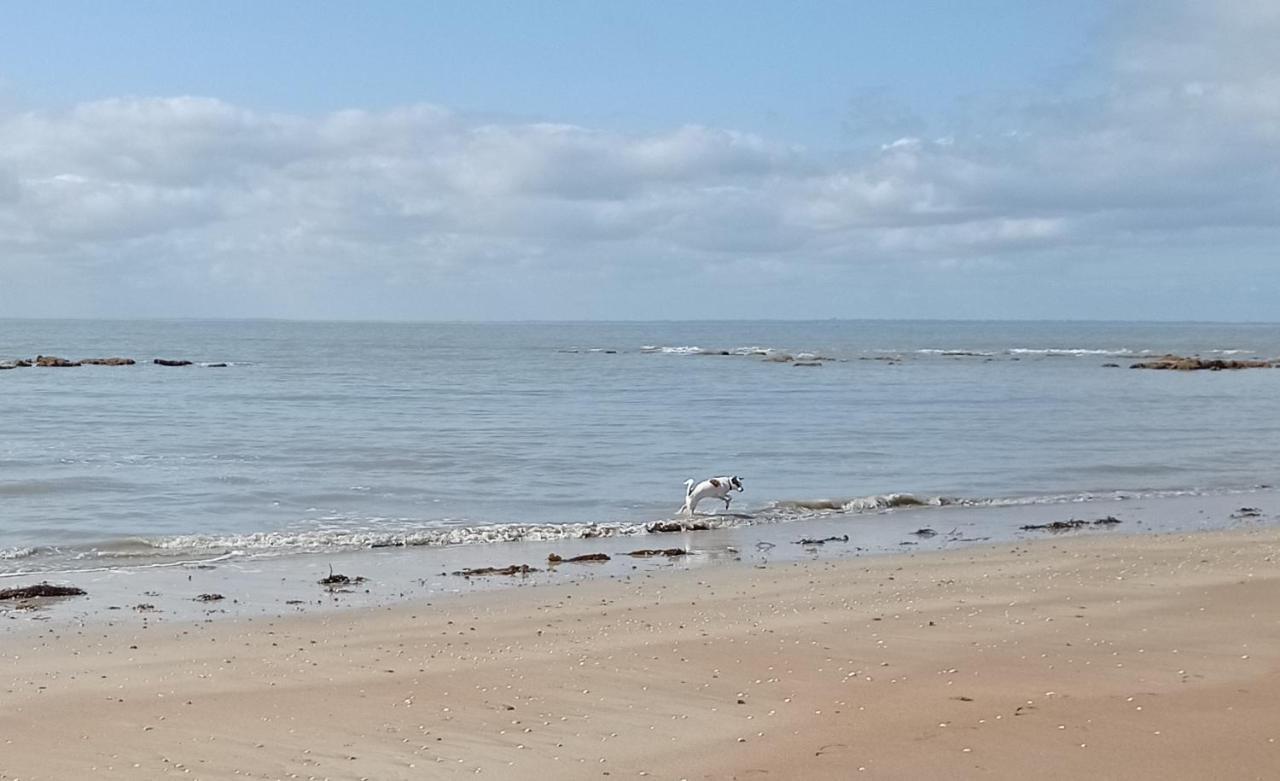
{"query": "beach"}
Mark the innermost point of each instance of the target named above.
(1095, 655)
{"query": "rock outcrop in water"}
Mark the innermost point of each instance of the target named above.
(108, 361)
(164, 362)
(53, 361)
(1171, 362)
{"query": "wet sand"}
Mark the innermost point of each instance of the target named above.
(1118, 656)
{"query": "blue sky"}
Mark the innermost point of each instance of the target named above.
(787, 69)
(487, 160)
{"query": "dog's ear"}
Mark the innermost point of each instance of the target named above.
(714, 482)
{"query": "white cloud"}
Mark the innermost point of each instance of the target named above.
(1183, 143)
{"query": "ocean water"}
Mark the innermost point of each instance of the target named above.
(330, 436)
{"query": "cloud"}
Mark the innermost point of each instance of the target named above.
(1181, 146)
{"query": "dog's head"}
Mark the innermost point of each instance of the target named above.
(735, 483)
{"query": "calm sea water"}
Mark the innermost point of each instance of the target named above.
(322, 435)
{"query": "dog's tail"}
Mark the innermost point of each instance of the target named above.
(685, 509)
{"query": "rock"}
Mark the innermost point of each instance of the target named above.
(215, 366)
(807, 363)
(52, 361)
(779, 357)
(210, 598)
(586, 557)
(925, 533)
(108, 362)
(1171, 362)
(8, 365)
(510, 569)
(1111, 366)
(647, 552)
(163, 362)
(41, 590)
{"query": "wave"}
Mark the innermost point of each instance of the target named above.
(951, 353)
(768, 353)
(339, 535)
(433, 535)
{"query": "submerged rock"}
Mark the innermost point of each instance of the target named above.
(164, 362)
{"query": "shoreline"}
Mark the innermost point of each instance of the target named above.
(1119, 655)
(288, 584)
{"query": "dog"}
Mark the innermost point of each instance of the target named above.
(714, 487)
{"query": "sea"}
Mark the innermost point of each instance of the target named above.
(323, 437)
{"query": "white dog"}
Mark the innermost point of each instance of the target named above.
(717, 487)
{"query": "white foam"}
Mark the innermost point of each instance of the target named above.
(954, 353)
(1075, 351)
(314, 540)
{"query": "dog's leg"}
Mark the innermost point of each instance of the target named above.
(727, 499)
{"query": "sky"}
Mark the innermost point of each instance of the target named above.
(584, 160)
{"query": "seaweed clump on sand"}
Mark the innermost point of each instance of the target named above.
(1074, 523)
(648, 552)
(510, 569)
(585, 558)
(335, 580)
(41, 590)
(823, 541)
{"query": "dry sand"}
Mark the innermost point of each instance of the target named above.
(1069, 657)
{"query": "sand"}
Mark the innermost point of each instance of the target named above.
(1075, 656)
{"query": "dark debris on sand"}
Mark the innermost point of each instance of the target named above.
(333, 580)
(823, 541)
(647, 552)
(41, 590)
(583, 559)
(510, 569)
(210, 598)
(1074, 523)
